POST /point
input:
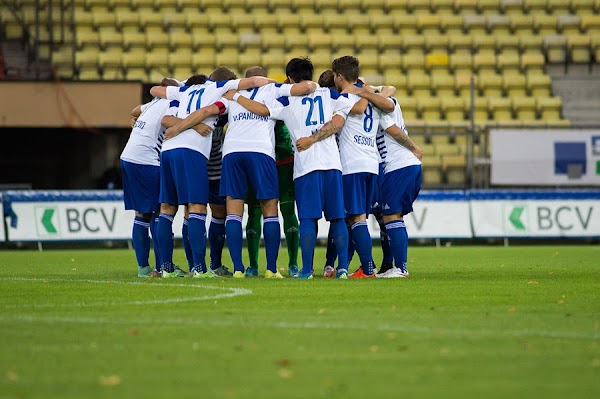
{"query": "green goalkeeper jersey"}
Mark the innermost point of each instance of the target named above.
(284, 153)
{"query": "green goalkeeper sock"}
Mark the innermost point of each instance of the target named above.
(290, 227)
(253, 229)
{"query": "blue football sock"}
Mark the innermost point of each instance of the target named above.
(216, 239)
(331, 254)
(351, 246)
(396, 230)
(272, 234)
(233, 232)
(153, 224)
(308, 240)
(385, 243)
(197, 233)
(340, 236)
(164, 234)
(141, 240)
(185, 237)
(364, 246)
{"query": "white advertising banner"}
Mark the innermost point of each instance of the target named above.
(536, 218)
(545, 157)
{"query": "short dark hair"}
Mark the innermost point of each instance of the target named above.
(300, 69)
(222, 73)
(326, 79)
(199, 79)
(347, 66)
(256, 71)
(169, 82)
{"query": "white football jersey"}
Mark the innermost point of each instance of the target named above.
(248, 132)
(191, 98)
(303, 117)
(147, 135)
(358, 141)
(398, 156)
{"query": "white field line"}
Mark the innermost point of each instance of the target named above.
(229, 293)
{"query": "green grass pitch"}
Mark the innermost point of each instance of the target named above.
(470, 322)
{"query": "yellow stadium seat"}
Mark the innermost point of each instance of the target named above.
(579, 49)
(405, 24)
(179, 40)
(383, 25)
(226, 40)
(460, 43)
(555, 47)
(272, 42)
(443, 84)
(102, 17)
(156, 38)
(442, 147)
(418, 83)
(488, 7)
(499, 24)
(133, 59)
(484, 44)
(533, 63)
(127, 21)
(175, 21)
(289, 24)
(303, 6)
(451, 24)
(297, 44)
(367, 44)
(87, 58)
(413, 63)
(87, 38)
(312, 23)
(429, 109)
(475, 24)
(522, 24)
(512, 7)
(157, 58)
(394, 77)
(491, 85)
(515, 85)
(590, 24)
(442, 7)
(549, 108)
(419, 7)
(535, 6)
(390, 61)
(110, 38)
(109, 63)
(436, 43)
(228, 58)
(507, 44)
(509, 63)
(484, 63)
(203, 60)
(273, 61)
(359, 25)
(531, 44)
(462, 84)
(538, 85)
(545, 24)
(203, 42)
(413, 44)
(243, 23)
(372, 7)
(558, 6)
(569, 24)
(454, 168)
(583, 7)
(453, 109)
(389, 43)
(465, 7)
(461, 63)
(595, 46)
(395, 5)
(524, 108)
(343, 44)
(151, 20)
(436, 62)
(409, 107)
(429, 24)
(250, 42)
(432, 172)
(89, 73)
(179, 59)
(480, 110)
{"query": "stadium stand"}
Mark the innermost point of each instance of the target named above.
(428, 49)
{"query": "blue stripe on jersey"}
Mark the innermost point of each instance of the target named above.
(284, 101)
(334, 94)
(174, 103)
(221, 83)
(278, 84)
(183, 88)
(394, 100)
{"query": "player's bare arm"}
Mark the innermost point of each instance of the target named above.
(379, 101)
(303, 88)
(159, 91)
(135, 113)
(192, 120)
(360, 107)
(405, 141)
(387, 91)
(251, 105)
(255, 81)
(328, 129)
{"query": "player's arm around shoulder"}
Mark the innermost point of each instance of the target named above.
(195, 119)
(327, 130)
(378, 100)
(254, 81)
(303, 88)
(402, 138)
(251, 105)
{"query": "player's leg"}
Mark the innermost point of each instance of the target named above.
(234, 186)
(253, 232)
(285, 174)
(388, 259)
(185, 238)
(400, 189)
(216, 230)
(330, 255)
(197, 234)
(357, 198)
(262, 175)
(334, 211)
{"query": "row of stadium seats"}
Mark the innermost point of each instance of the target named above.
(540, 24)
(361, 6)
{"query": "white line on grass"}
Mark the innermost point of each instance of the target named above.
(232, 292)
(169, 322)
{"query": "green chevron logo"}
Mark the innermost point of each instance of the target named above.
(46, 220)
(515, 218)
